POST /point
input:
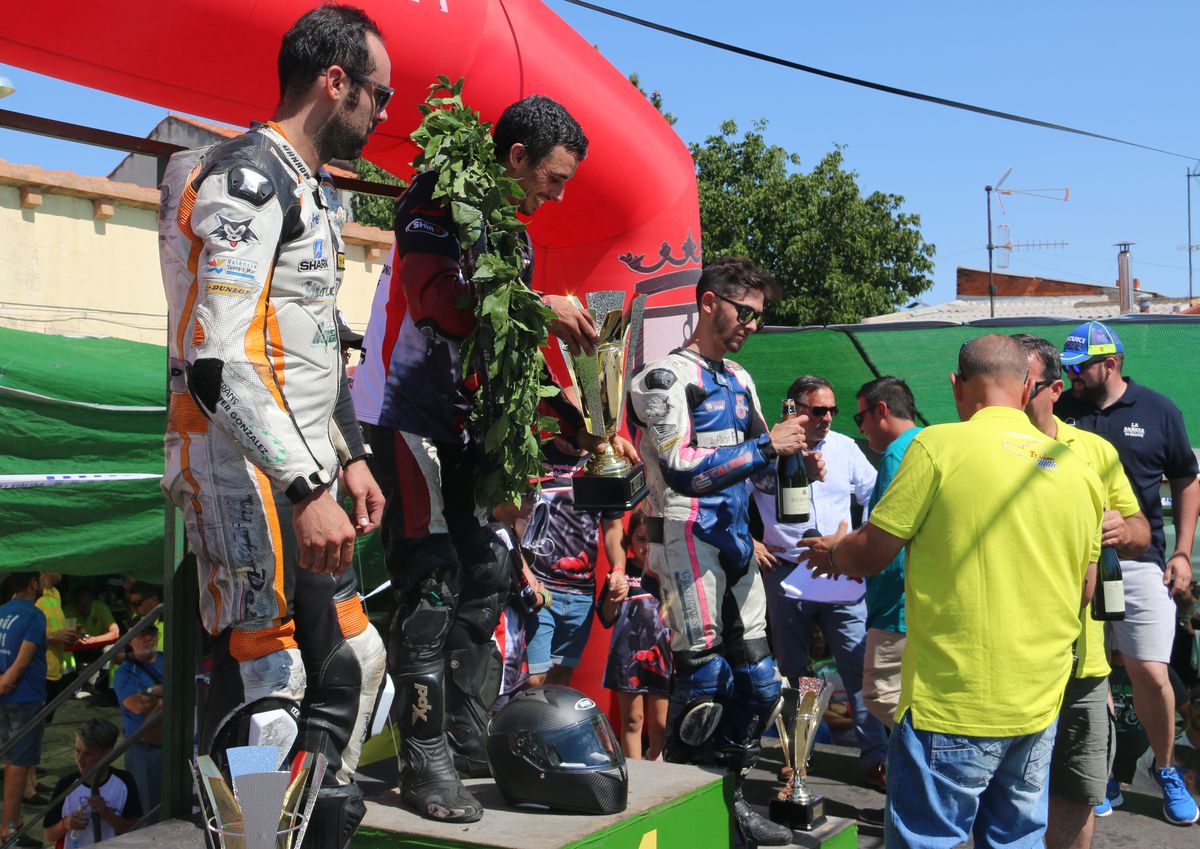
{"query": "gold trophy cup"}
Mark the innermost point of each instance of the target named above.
(800, 712)
(609, 481)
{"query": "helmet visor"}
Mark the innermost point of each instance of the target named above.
(585, 745)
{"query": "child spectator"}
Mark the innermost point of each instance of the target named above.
(519, 618)
(22, 689)
(639, 657)
(565, 562)
(98, 811)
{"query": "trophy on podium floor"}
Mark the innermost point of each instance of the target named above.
(258, 804)
(801, 709)
(608, 481)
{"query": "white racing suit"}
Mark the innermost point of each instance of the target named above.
(260, 418)
(698, 427)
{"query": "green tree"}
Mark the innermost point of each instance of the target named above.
(655, 97)
(838, 256)
(374, 210)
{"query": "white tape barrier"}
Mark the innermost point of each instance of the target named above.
(22, 481)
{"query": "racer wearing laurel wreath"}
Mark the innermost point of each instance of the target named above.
(450, 578)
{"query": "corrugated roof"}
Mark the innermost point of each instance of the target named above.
(970, 309)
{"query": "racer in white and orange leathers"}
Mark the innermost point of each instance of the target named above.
(260, 417)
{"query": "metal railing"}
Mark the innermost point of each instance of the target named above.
(152, 721)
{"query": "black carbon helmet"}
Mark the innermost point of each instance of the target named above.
(552, 746)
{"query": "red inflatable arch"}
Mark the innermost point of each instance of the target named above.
(630, 219)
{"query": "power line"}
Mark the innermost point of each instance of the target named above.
(887, 89)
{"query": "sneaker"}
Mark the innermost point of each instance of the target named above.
(1178, 805)
(1104, 809)
(1113, 794)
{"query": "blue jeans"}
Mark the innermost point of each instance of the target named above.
(845, 630)
(944, 788)
(144, 763)
(561, 633)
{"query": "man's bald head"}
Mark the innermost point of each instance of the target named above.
(993, 371)
(997, 358)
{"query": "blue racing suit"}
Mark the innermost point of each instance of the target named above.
(698, 427)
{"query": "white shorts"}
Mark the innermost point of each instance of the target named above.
(1148, 630)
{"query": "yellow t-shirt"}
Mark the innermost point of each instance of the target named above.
(1002, 522)
(1103, 459)
(50, 603)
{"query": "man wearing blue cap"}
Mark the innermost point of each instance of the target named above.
(1148, 432)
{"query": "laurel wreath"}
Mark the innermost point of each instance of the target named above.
(512, 321)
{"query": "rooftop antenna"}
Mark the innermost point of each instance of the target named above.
(1062, 194)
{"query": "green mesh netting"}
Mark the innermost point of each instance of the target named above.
(1160, 352)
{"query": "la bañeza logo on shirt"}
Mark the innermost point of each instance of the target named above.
(1135, 429)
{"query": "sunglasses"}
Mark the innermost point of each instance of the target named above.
(1039, 386)
(136, 602)
(745, 314)
(382, 93)
(1078, 367)
(821, 412)
(859, 417)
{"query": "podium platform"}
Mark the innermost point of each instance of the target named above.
(671, 806)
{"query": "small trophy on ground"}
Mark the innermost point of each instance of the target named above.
(609, 481)
(261, 806)
(801, 709)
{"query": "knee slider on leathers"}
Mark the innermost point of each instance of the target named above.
(420, 623)
(699, 696)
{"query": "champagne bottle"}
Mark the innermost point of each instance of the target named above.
(791, 481)
(1108, 601)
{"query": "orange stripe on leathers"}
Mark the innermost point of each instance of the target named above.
(185, 469)
(250, 645)
(256, 345)
(275, 343)
(187, 202)
(351, 617)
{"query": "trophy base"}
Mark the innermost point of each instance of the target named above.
(603, 492)
(803, 816)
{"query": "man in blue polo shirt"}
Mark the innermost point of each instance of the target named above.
(1148, 432)
(22, 689)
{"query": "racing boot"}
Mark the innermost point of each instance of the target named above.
(472, 686)
(428, 783)
(754, 828)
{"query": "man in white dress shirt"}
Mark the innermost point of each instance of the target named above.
(796, 600)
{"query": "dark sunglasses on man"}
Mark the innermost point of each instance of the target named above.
(820, 412)
(382, 93)
(1078, 367)
(745, 314)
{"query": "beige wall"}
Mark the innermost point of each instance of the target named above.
(63, 270)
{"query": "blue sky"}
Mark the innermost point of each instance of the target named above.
(1124, 70)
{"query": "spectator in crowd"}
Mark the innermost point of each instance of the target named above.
(58, 635)
(22, 688)
(1083, 752)
(139, 687)
(796, 599)
(142, 597)
(886, 410)
(98, 627)
(564, 560)
(1151, 439)
(106, 802)
(1001, 524)
(702, 433)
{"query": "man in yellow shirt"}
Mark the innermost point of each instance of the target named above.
(1001, 524)
(1083, 747)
